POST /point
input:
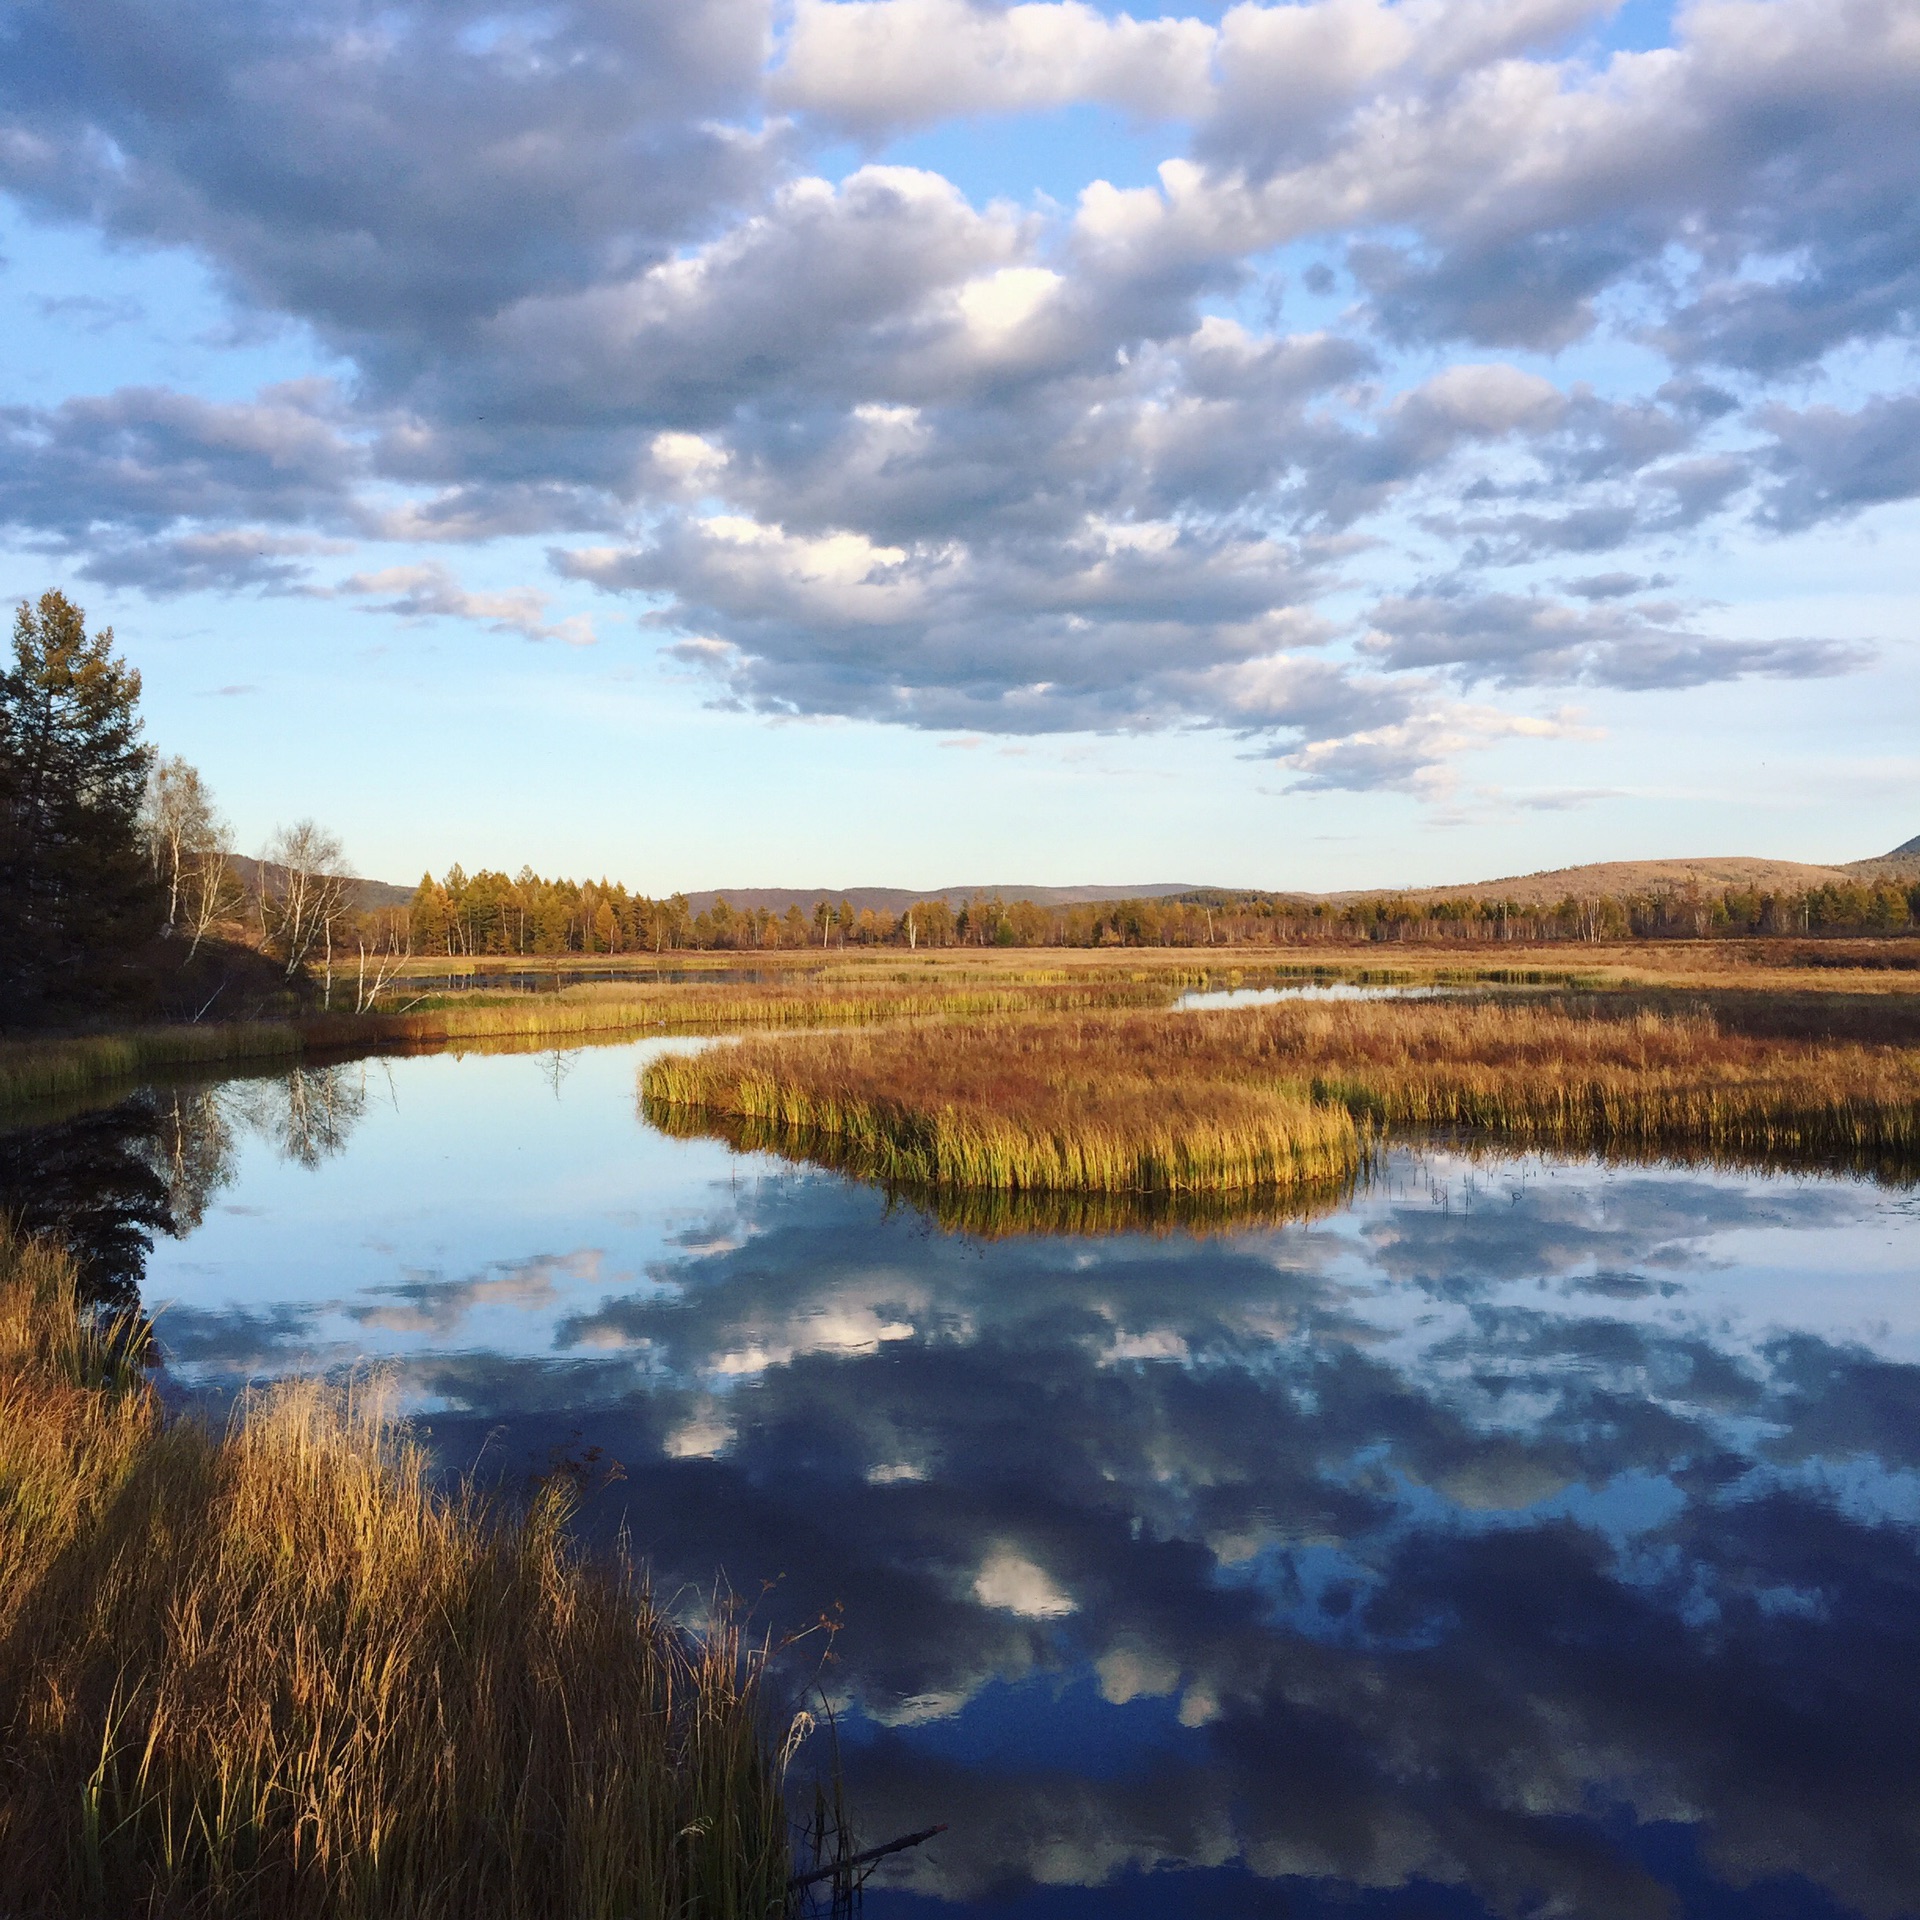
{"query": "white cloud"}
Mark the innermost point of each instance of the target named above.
(872, 65)
(431, 592)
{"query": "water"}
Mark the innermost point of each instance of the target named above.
(1199, 999)
(1522, 1536)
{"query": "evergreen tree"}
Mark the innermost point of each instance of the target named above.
(77, 892)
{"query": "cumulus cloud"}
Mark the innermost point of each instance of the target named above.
(874, 65)
(391, 174)
(144, 458)
(228, 560)
(865, 446)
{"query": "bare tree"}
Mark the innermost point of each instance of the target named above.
(176, 821)
(191, 848)
(387, 939)
(208, 889)
(305, 889)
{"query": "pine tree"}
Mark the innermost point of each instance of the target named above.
(77, 893)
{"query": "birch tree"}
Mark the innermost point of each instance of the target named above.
(306, 890)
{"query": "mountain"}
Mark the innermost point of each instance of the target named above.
(894, 899)
(1619, 877)
(1903, 863)
(367, 894)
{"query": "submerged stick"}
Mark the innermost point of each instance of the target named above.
(871, 1854)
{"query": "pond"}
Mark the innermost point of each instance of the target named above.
(1209, 999)
(1514, 1535)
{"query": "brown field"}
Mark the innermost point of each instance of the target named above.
(1863, 991)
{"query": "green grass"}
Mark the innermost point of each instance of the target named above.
(275, 1673)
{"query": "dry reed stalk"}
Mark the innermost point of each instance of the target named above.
(701, 1008)
(39, 1070)
(1548, 1075)
(277, 1674)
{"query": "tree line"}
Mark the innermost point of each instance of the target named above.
(118, 875)
(489, 913)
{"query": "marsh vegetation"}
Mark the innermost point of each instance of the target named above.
(275, 1672)
(1284, 1095)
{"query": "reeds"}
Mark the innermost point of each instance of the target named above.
(275, 1673)
(1031, 1106)
(1271, 1097)
(703, 1007)
(47, 1069)
(1581, 1077)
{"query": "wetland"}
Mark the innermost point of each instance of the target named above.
(1501, 1530)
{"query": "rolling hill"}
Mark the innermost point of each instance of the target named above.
(1617, 877)
(894, 899)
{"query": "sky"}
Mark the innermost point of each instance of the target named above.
(924, 442)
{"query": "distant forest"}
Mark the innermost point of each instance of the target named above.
(486, 913)
(123, 896)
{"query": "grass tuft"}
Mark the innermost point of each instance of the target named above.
(276, 1673)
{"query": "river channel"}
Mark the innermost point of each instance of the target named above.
(1517, 1535)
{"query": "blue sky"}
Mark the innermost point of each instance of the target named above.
(921, 441)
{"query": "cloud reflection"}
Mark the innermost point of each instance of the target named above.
(1465, 1537)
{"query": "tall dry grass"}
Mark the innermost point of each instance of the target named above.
(1582, 1077)
(52, 1067)
(43, 1069)
(1263, 1097)
(1041, 1104)
(275, 1673)
(728, 1006)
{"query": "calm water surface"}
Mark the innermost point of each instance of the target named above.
(1525, 1536)
(1210, 998)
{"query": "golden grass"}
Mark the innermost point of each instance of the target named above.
(1283, 1095)
(276, 1674)
(703, 1007)
(41, 1069)
(1744, 982)
(1034, 1105)
(1554, 1076)
(47, 1069)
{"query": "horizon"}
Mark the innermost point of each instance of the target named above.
(1343, 446)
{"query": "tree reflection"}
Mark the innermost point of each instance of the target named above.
(94, 1182)
(105, 1182)
(309, 1114)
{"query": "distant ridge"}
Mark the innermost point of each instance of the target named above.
(894, 899)
(368, 895)
(1616, 877)
(1903, 863)
(1619, 877)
